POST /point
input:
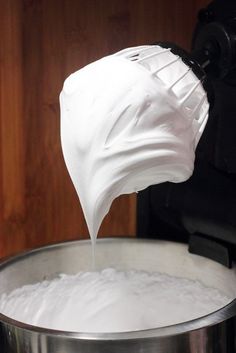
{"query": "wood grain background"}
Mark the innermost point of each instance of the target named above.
(42, 41)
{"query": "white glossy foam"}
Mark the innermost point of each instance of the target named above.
(129, 120)
(111, 301)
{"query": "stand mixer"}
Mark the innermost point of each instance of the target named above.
(202, 210)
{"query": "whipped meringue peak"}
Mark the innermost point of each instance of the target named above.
(128, 121)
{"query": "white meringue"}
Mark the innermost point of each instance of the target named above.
(128, 121)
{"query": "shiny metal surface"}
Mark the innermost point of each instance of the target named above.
(214, 333)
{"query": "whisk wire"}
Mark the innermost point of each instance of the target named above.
(189, 94)
(179, 78)
(166, 65)
(132, 51)
(198, 107)
(152, 55)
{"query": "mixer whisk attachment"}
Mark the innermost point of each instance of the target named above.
(181, 79)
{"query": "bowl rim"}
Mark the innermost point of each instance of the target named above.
(212, 319)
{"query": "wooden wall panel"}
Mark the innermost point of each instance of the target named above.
(42, 42)
(12, 176)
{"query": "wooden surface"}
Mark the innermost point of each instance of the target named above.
(42, 41)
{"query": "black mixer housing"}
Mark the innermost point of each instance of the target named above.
(202, 210)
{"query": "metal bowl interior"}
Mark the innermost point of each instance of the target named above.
(121, 253)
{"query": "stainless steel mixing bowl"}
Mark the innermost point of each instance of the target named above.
(214, 333)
